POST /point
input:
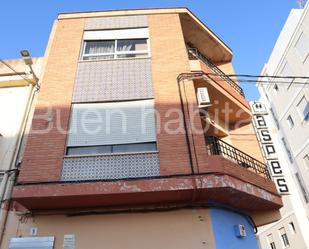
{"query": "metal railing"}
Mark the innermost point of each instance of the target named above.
(197, 55)
(216, 146)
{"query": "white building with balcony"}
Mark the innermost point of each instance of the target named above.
(287, 100)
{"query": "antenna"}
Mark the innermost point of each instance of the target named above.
(301, 3)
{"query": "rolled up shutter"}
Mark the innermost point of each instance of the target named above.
(112, 123)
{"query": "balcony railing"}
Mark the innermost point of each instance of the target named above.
(196, 55)
(218, 147)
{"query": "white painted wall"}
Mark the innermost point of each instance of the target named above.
(13, 110)
(13, 104)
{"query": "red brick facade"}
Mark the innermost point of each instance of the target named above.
(44, 152)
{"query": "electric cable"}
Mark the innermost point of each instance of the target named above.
(19, 74)
(265, 76)
(250, 80)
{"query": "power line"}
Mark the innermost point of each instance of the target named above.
(19, 74)
(268, 76)
(273, 82)
(250, 80)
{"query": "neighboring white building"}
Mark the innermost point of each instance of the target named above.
(288, 105)
(18, 88)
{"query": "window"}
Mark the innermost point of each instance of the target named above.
(271, 241)
(303, 108)
(113, 49)
(290, 121)
(292, 228)
(32, 242)
(284, 237)
(306, 161)
(108, 149)
(302, 46)
(114, 127)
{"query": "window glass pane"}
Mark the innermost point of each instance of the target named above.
(284, 237)
(131, 55)
(134, 147)
(89, 150)
(131, 45)
(106, 149)
(99, 47)
(99, 57)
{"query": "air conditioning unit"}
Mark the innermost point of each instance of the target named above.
(203, 97)
(240, 231)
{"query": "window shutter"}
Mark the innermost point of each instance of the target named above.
(112, 123)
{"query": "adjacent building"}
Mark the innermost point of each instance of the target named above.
(18, 91)
(139, 139)
(287, 101)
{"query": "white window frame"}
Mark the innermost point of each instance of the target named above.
(282, 233)
(116, 53)
(270, 241)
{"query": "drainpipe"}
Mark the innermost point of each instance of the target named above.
(181, 79)
(10, 174)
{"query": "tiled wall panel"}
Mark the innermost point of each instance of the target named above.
(113, 80)
(116, 22)
(105, 167)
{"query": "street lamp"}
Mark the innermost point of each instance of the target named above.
(28, 61)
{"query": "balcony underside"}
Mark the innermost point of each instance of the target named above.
(223, 104)
(224, 182)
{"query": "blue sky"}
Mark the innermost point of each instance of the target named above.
(250, 28)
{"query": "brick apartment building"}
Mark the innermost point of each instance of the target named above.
(139, 139)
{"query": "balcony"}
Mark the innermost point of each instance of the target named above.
(194, 54)
(216, 146)
(225, 94)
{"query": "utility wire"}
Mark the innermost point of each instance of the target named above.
(20, 74)
(263, 81)
(273, 82)
(265, 76)
(261, 76)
